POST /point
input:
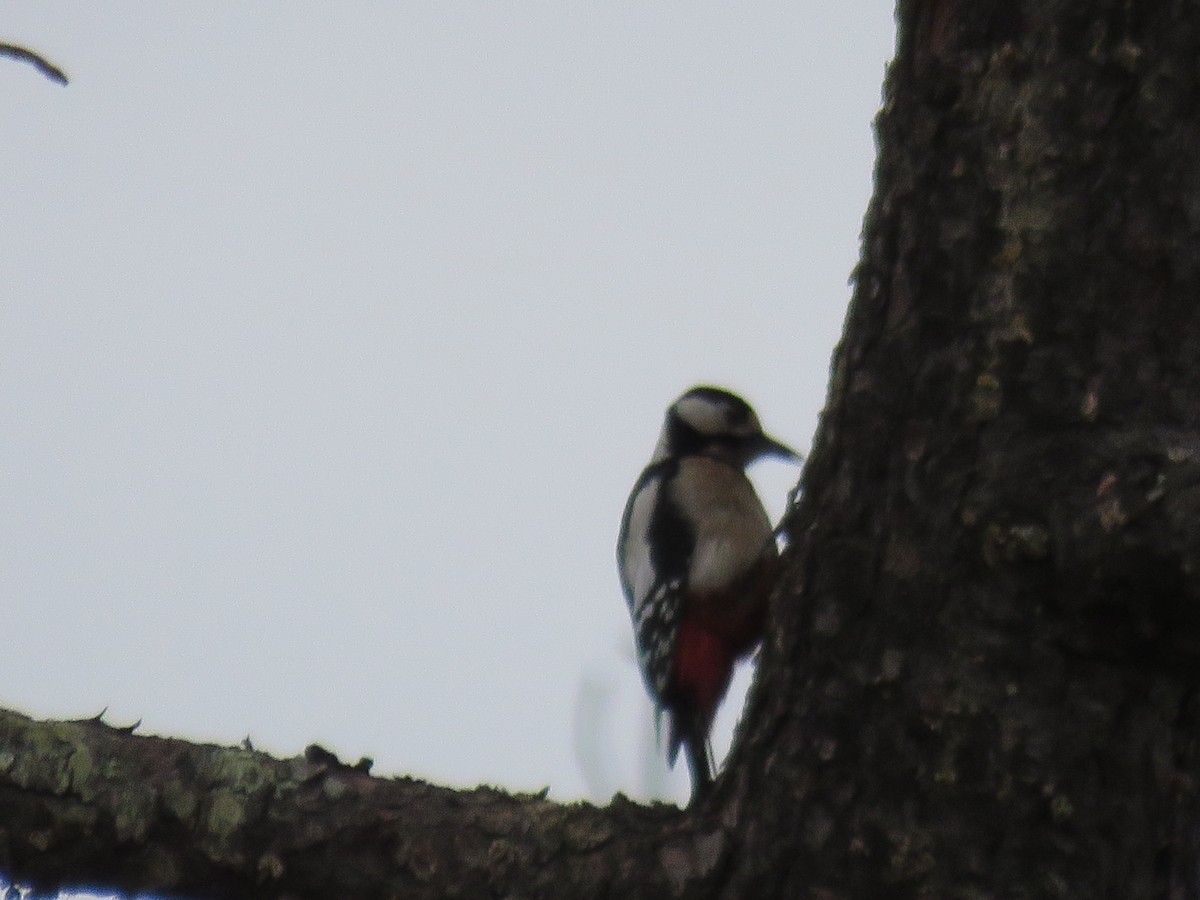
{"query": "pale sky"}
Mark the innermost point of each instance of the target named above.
(334, 336)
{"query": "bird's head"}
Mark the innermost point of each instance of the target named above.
(711, 421)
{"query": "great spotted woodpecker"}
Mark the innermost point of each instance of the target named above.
(697, 559)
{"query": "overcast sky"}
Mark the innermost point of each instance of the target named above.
(334, 336)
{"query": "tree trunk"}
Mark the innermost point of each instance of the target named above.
(980, 680)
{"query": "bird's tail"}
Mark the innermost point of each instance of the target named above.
(687, 728)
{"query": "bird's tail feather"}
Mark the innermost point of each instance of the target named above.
(687, 729)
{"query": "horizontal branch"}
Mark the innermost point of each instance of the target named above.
(83, 804)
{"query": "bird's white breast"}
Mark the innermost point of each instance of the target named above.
(732, 528)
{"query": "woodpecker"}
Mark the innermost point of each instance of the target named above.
(697, 560)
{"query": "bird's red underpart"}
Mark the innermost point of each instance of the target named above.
(703, 665)
(717, 630)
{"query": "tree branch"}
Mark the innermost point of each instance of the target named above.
(43, 65)
(83, 804)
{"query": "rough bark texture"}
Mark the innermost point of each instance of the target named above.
(982, 684)
(85, 804)
(981, 680)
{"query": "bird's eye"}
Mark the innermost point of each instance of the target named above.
(743, 422)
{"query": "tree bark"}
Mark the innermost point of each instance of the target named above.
(980, 680)
(84, 804)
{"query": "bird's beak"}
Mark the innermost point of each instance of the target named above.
(771, 447)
